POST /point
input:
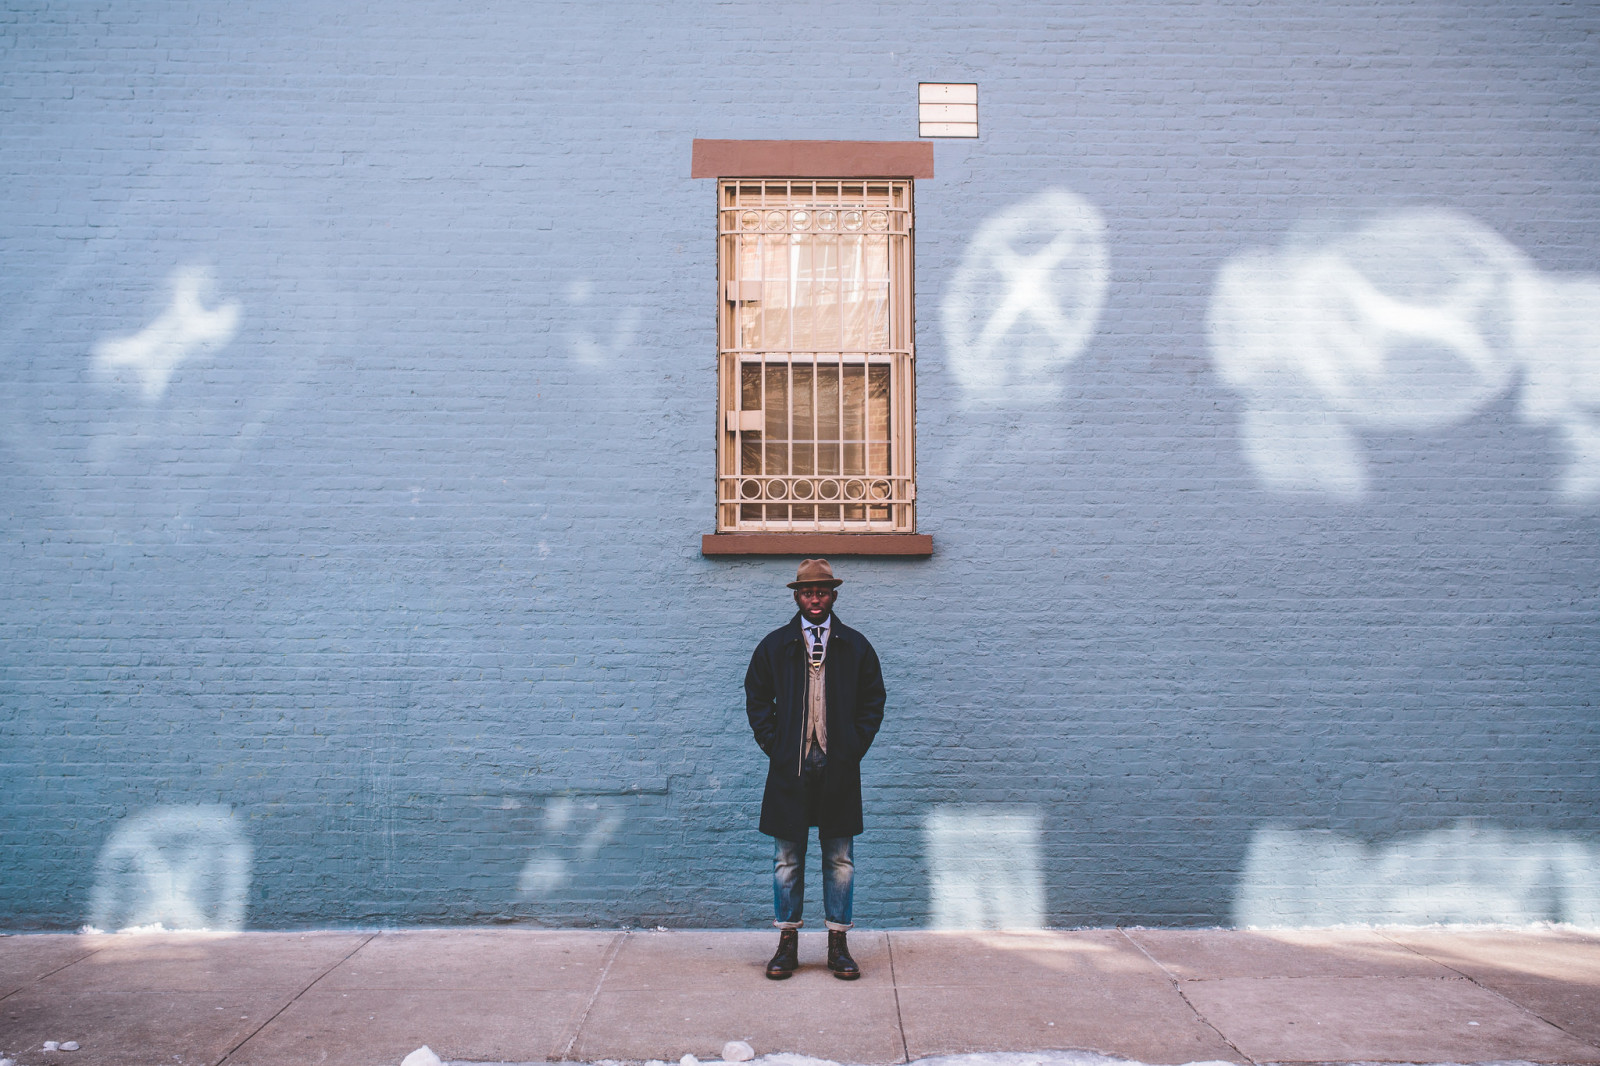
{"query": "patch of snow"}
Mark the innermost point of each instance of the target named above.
(70, 1045)
(737, 1051)
(423, 1056)
(985, 1058)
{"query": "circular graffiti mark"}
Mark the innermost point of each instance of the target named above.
(172, 868)
(1409, 320)
(1027, 295)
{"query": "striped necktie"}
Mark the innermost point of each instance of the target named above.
(817, 646)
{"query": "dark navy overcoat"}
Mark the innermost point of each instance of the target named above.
(775, 700)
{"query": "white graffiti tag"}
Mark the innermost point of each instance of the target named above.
(587, 346)
(1463, 872)
(1413, 320)
(984, 867)
(1026, 297)
(1560, 345)
(184, 328)
(571, 837)
(172, 868)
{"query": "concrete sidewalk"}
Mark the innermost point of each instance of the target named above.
(1159, 996)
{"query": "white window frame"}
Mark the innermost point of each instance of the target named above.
(823, 492)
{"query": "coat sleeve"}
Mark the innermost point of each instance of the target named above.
(761, 700)
(870, 697)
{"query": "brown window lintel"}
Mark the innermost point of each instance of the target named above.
(811, 159)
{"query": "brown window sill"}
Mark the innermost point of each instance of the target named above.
(813, 544)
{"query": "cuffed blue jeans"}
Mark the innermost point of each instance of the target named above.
(789, 881)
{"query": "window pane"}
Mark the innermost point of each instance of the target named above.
(803, 421)
(806, 290)
(777, 402)
(877, 459)
(750, 387)
(876, 298)
(855, 402)
(750, 400)
(749, 269)
(774, 318)
(828, 419)
(878, 404)
(854, 459)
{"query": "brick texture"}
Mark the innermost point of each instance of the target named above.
(407, 573)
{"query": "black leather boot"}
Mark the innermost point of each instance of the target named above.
(786, 960)
(839, 960)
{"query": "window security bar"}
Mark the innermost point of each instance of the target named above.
(797, 502)
(815, 356)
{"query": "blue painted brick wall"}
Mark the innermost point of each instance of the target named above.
(407, 573)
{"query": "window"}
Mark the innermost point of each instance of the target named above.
(815, 356)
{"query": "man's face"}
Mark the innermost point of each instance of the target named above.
(815, 601)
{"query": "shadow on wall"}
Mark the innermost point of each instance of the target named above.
(984, 867)
(1408, 321)
(1464, 873)
(172, 868)
(1024, 301)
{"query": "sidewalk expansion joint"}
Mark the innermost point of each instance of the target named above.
(52, 973)
(1177, 986)
(583, 1018)
(894, 983)
(296, 998)
(1493, 992)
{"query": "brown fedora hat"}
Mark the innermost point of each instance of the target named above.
(815, 572)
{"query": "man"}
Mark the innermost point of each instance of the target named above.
(814, 695)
